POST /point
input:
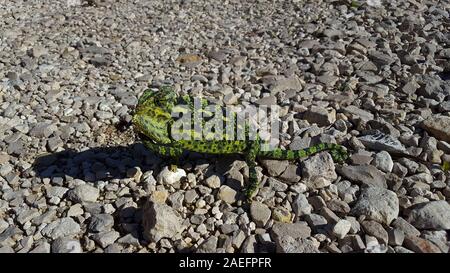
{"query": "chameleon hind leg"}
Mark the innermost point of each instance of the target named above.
(250, 159)
(167, 151)
(337, 152)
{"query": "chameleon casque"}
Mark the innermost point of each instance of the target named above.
(153, 122)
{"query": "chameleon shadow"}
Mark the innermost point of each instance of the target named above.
(95, 164)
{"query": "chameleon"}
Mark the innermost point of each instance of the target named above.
(153, 123)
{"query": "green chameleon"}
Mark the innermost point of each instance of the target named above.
(153, 122)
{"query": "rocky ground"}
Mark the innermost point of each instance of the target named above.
(375, 79)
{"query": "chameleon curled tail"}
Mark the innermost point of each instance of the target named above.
(337, 152)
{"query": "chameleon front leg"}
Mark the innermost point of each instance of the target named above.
(167, 151)
(250, 158)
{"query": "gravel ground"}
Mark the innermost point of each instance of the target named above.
(374, 78)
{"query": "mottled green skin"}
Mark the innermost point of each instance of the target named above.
(153, 121)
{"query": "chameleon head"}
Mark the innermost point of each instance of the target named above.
(153, 114)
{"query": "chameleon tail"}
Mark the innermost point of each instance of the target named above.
(338, 153)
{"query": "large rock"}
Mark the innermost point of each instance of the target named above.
(160, 221)
(365, 175)
(431, 215)
(319, 171)
(438, 126)
(377, 204)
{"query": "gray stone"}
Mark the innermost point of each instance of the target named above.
(274, 167)
(6, 249)
(301, 206)
(66, 245)
(101, 222)
(380, 58)
(364, 175)
(227, 194)
(341, 228)
(356, 113)
(406, 227)
(291, 175)
(377, 204)
(438, 126)
(106, 238)
(382, 142)
(287, 244)
(420, 245)
(160, 221)
(63, 227)
(249, 245)
(396, 237)
(213, 181)
(383, 161)
(319, 171)
(321, 116)
(316, 221)
(129, 239)
(432, 215)
(376, 230)
(294, 230)
(84, 193)
(208, 246)
(260, 213)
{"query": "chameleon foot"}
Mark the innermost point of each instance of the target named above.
(173, 168)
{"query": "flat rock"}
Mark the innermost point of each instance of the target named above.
(382, 142)
(377, 204)
(294, 230)
(106, 238)
(61, 228)
(364, 175)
